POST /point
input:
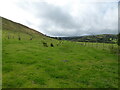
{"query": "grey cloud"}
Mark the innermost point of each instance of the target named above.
(55, 15)
(99, 18)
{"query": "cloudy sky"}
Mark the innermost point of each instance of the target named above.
(64, 17)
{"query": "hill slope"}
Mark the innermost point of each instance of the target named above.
(103, 38)
(16, 27)
(44, 62)
(12, 28)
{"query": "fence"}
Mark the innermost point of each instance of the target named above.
(104, 46)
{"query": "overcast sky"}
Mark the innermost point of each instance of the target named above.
(64, 17)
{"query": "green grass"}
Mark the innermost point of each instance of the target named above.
(112, 48)
(28, 64)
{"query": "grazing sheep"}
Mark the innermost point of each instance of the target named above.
(51, 45)
(19, 38)
(45, 44)
(30, 38)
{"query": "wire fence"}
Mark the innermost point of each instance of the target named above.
(112, 47)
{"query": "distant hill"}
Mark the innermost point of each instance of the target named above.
(106, 38)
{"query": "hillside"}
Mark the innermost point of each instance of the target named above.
(43, 62)
(103, 38)
(13, 27)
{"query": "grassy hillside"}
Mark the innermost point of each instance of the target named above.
(103, 38)
(12, 29)
(43, 62)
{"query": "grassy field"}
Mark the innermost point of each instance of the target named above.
(112, 48)
(29, 64)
